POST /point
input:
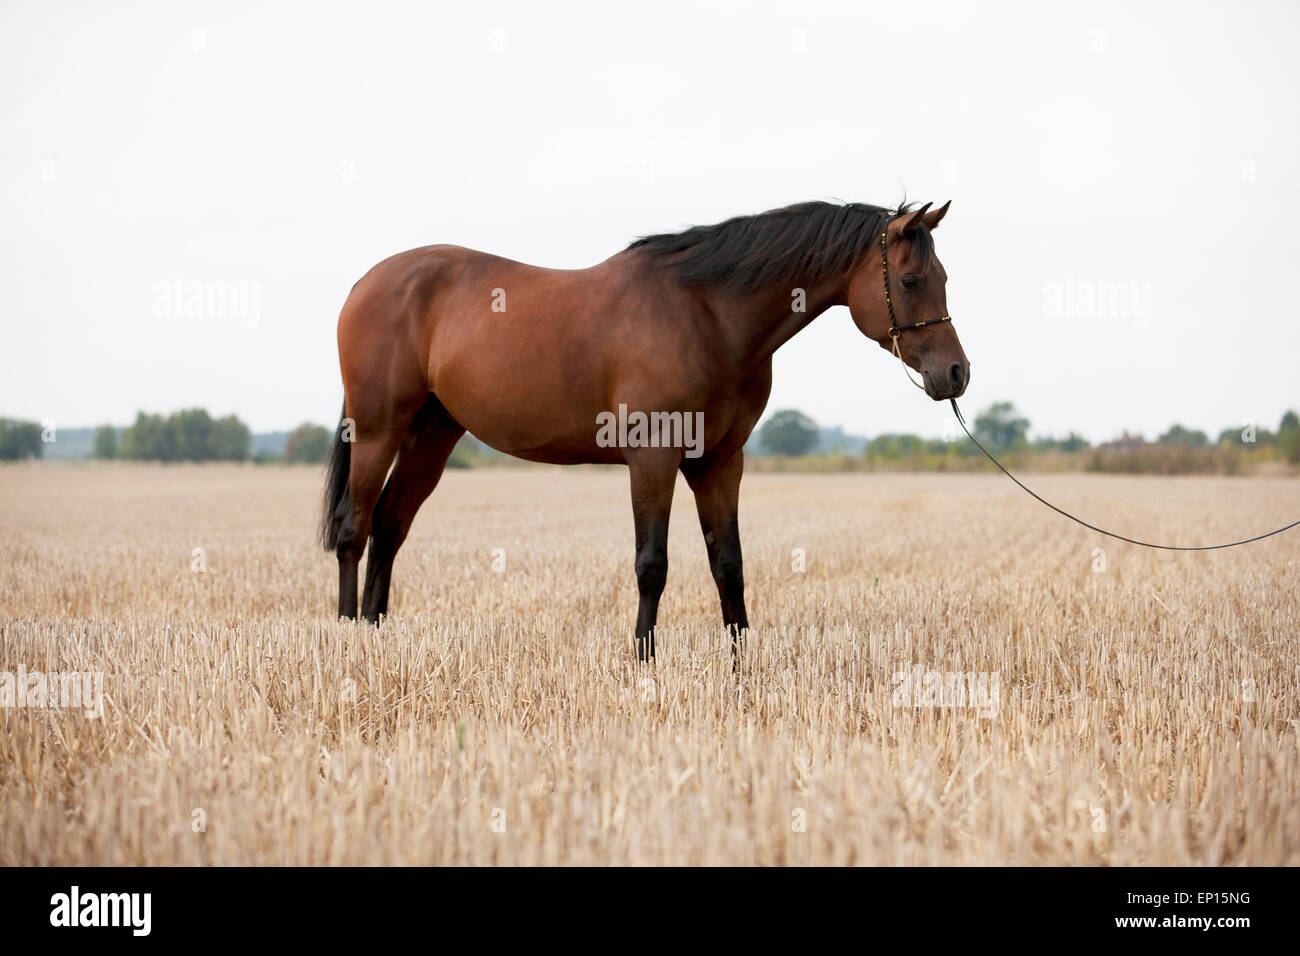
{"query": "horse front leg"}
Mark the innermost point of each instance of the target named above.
(654, 474)
(717, 497)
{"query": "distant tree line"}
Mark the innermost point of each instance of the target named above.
(194, 435)
(188, 435)
(789, 433)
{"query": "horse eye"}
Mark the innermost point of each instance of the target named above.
(910, 282)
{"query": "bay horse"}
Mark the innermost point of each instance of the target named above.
(678, 327)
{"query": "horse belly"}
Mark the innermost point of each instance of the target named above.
(527, 400)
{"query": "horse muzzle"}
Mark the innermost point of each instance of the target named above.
(943, 383)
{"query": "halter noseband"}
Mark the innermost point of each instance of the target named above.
(895, 330)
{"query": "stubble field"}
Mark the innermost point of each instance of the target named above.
(1133, 707)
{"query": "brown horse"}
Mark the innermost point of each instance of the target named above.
(544, 364)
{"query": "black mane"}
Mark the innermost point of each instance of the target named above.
(799, 244)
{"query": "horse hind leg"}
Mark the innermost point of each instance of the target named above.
(376, 439)
(421, 459)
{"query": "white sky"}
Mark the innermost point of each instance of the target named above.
(290, 147)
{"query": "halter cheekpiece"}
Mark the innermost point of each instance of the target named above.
(895, 330)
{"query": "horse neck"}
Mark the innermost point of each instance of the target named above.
(760, 322)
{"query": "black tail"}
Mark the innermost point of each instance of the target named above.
(336, 485)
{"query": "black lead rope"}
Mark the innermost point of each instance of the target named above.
(1092, 527)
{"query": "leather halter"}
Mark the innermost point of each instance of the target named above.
(895, 330)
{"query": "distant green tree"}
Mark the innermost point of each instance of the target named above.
(135, 438)
(999, 427)
(1236, 438)
(1288, 437)
(148, 439)
(308, 443)
(230, 439)
(789, 432)
(1183, 438)
(193, 428)
(20, 440)
(105, 446)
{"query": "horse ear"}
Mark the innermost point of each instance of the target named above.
(932, 217)
(911, 220)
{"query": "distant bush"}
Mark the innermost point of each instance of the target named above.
(894, 452)
(20, 440)
(308, 443)
(105, 446)
(1184, 438)
(789, 432)
(1168, 459)
(1070, 443)
(1288, 437)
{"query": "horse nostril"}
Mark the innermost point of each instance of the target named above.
(957, 375)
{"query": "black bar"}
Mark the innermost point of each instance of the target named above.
(330, 907)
